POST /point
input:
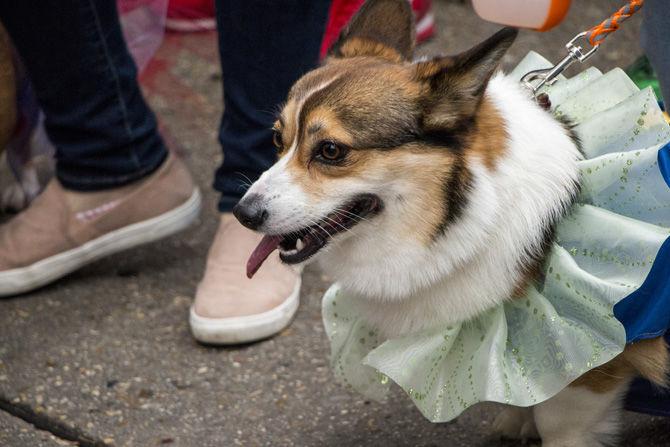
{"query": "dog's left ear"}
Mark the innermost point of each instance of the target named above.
(456, 84)
(381, 28)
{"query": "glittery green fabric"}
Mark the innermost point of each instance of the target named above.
(527, 350)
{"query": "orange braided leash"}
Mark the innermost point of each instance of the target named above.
(534, 80)
(598, 33)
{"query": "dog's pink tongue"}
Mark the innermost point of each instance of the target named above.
(266, 246)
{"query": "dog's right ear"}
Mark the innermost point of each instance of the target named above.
(456, 84)
(381, 28)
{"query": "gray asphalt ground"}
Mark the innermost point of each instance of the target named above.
(104, 356)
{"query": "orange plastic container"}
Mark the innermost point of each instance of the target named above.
(540, 15)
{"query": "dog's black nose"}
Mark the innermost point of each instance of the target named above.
(250, 213)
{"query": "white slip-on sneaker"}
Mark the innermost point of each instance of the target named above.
(230, 308)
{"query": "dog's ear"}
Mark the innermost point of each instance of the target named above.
(381, 28)
(456, 84)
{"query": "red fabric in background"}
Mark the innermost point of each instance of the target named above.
(340, 13)
(191, 9)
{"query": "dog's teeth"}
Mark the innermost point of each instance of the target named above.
(299, 245)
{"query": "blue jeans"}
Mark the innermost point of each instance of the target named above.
(86, 82)
(265, 46)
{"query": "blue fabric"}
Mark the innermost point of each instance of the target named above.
(664, 162)
(645, 313)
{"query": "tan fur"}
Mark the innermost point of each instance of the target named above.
(362, 84)
(286, 126)
(419, 165)
(447, 111)
(358, 46)
(381, 29)
(425, 168)
(646, 358)
(489, 142)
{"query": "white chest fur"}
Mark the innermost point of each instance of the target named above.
(407, 286)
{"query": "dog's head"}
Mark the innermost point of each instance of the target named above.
(372, 145)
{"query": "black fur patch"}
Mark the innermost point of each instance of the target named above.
(569, 126)
(456, 191)
(447, 139)
(453, 138)
(535, 259)
(533, 267)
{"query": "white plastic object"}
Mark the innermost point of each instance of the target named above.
(540, 15)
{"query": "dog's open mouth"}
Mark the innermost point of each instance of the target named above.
(300, 245)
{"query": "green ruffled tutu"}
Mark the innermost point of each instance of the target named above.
(527, 350)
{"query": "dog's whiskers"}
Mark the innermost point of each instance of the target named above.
(315, 223)
(349, 213)
(248, 182)
(337, 223)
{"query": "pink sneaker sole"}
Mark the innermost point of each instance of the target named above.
(190, 25)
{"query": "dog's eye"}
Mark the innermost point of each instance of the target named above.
(276, 139)
(331, 152)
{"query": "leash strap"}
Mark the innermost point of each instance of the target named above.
(598, 33)
(536, 79)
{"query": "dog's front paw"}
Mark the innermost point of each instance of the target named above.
(13, 198)
(516, 423)
(15, 195)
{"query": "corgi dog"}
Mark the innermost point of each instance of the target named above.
(430, 189)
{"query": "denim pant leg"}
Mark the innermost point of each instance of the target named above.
(265, 46)
(655, 37)
(86, 82)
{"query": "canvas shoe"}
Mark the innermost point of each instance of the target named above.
(229, 308)
(63, 230)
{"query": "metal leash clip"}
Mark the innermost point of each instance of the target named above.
(534, 80)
